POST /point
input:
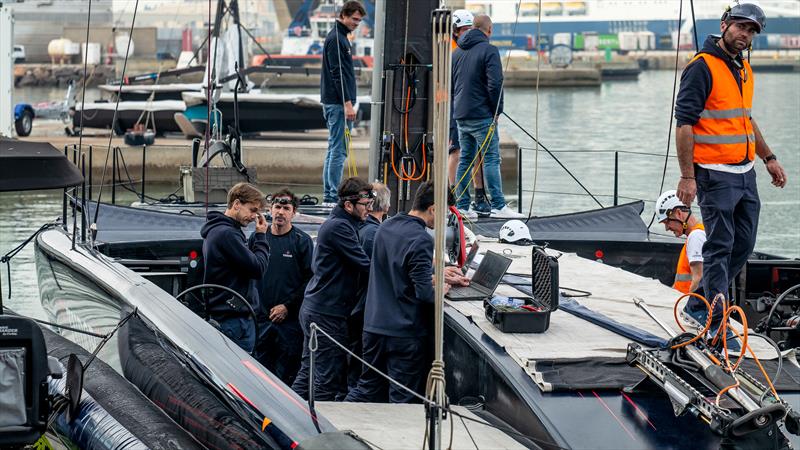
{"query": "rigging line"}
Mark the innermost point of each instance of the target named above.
(116, 108)
(351, 164)
(536, 129)
(554, 158)
(314, 329)
(671, 111)
(85, 66)
(694, 27)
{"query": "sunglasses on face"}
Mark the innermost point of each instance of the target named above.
(282, 201)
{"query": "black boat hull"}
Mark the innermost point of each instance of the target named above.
(219, 394)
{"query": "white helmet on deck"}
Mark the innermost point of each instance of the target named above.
(515, 232)
(667, 202)
(462, 18)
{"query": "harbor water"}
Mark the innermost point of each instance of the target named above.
(582, 127)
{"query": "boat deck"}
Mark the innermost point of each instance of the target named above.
(402, 426)
(570, 337)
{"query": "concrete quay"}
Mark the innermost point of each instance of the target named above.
(278, 158)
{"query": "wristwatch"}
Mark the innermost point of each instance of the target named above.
(769, 158)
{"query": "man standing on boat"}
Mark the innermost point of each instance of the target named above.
(477, 102)
(230, 262)
(340, 266)
(717, 141)
(399, 307)
(338, 96)
(281, 289)
(366, 237)
(462, 22)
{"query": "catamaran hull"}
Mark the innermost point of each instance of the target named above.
(217, 393)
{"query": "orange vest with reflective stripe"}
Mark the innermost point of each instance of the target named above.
(683, 274)
(724, 134)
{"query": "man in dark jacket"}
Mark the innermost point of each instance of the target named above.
(230, 262)
(366, 236)
(339, 265)
(338, 95)
(399, 305)
(477, 102)
(281, 290)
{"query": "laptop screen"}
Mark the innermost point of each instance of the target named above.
(492, 268)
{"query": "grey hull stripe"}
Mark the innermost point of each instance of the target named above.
(683, 277)
(725, 113)
(723, 139)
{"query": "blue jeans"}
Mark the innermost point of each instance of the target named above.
(730, 206)
(337, 151)
(471, 134)
(240, 330)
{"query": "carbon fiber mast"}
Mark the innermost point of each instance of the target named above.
(401, 149)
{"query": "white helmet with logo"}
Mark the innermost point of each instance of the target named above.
(667, 202)
(515, 232)
(462, 18)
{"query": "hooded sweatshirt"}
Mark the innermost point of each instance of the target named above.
(231, 263)
(477, 77)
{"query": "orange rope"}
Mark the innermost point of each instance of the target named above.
(680, 325)
(722, 331)
(403, 174)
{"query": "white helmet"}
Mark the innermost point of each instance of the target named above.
(462, 18)
(666, 203)
(515, 232)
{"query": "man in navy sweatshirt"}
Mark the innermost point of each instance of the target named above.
(230, 262)
(477, 92)
(338, 95)
(339, 266)
(281, 290)
(399, 307)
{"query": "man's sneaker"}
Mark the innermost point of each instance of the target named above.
(506, 213)
(482, 207)
(328, 204)
(469, 214)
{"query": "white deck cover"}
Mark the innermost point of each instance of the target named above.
(570, 337)
(402, 426)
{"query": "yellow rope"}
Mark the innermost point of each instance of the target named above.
(480, 153)
(352, 169)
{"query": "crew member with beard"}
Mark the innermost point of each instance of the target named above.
(717, 140)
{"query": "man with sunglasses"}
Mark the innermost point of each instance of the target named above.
(398, 313)
(281, 289)
(340, 265)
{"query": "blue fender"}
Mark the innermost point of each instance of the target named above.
(20, 107)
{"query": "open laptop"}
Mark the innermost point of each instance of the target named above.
(483, 284)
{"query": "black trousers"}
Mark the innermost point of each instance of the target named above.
(402, 358)
(330, 361)
(730, 207)
(280, 347)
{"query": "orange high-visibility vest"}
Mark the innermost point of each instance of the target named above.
(683, 274)
(453, 44)
(724, 134)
